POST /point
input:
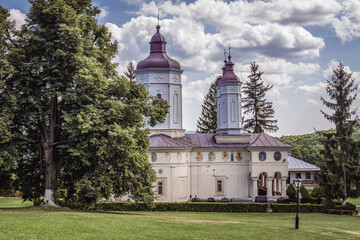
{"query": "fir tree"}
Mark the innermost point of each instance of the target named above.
(340, 165)
(207, 121)
(130, 74)
(75, 123)
(259, 112)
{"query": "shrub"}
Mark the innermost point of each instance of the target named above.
(329, 204)
(183, 207)
(291, 192)
(303, 208)
(304, 193)
(318, 192)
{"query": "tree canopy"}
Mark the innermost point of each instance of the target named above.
(258, 112)
(75, 123)
(207, 121)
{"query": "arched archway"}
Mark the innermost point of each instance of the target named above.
(262, 190)
(276, 184)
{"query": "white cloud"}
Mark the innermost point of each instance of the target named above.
(333, 64)
(311, 89)
(18, 17)
(312, 102)
(104, 13)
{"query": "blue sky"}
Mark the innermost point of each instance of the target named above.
(296, 44)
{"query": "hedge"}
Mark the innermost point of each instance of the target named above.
(308, 208)
(183, 207)
(303, 208)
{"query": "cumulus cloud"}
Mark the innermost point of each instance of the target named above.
(104, 13)
(18, 17)
(333, 64)
(312, 102)
(310, 89)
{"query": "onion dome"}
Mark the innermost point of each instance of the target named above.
(158, 57)
(229, 75)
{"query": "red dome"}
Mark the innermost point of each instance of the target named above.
(158, 57)
(229, 75)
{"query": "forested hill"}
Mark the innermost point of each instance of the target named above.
(307, 146)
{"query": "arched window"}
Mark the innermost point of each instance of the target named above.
(175, 107)
(232, 111)
(159, 96)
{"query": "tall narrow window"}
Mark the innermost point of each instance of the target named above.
(175, 107)
(159, 96)
(224, 111)
(232, 111)
(160, 188)
(219, 186)
(232, 157)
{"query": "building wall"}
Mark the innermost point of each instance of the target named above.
(190, 173)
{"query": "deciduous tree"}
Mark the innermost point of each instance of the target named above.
(77, 123)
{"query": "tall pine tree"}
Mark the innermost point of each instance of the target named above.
(207, 121)
(75, 123)
(340, 166)
(258, 112)
(130, 74)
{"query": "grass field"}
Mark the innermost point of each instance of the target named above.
(13, 202)
(37, 223)
(355, 201)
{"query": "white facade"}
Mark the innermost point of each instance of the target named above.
(166, 84)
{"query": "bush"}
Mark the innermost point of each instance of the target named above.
(317, 192)
(303, 208)
(183, 207)
(304, 193)
(329, 204)
(291, 192)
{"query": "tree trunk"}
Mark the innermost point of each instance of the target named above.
(48, 139)
(344, 193)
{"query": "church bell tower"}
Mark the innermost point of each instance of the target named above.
(229, 101)
(162, 77)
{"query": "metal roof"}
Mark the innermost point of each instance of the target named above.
(207, 140)
(300, 165)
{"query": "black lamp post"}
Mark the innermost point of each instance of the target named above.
(297, 183)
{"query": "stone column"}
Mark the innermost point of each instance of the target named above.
(254, 186)
(269, 186)
(283, 187)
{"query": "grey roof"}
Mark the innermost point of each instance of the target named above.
(207, 140)
(299, 165)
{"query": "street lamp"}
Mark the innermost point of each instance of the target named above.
(297, 183)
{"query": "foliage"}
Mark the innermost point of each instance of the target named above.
(183, 207)
(258, 111)
(304, 193)
(328, 203)
(8, 152)
(130, 74)
(76, 125)
(317, 192)
(291, 192)
(340, 165)
(207, 122)
(303, 208)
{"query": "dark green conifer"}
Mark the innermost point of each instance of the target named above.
(258, 112)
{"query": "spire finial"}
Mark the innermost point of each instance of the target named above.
(158, 17)
(225, 55)
(229, 53)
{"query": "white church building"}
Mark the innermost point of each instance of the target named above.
(229, 163)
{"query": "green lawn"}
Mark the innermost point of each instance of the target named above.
(13, 202)
(37, 223)
(355, 201)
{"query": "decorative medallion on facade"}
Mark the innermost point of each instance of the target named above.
(238, 156)
(199, 156)
(277, 156)
(166, 157)
(160, 171)
(212, 156)
(262, 156)
(225, 156)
